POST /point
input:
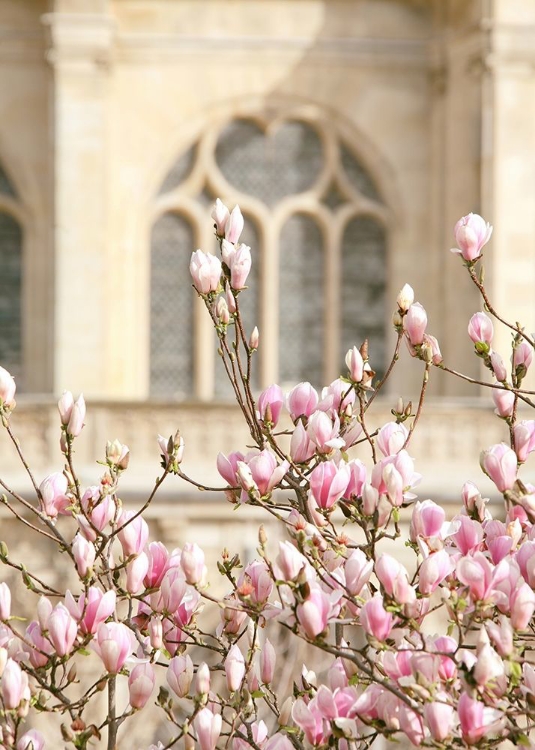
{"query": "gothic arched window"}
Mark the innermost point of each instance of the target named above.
(316, 227)
(10, 283)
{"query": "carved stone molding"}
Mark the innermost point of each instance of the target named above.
(81, 40)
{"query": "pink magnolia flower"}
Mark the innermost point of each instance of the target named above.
(77, 416)
(92, 609)
(394, 578)
(141, 684)
(208, 728)
(391, 438)
(180, 675)
(324, 431)
(234, 225)
(136, 570)
(158, 557)
(5, 601)
(234, 668)
(113, 644)
(259, 733)
(40, 647)
(357, 569)
(268, 658)
(192, 563)
(427, 520)
(500, 463)
(433, 570)
(220, 215)
(257, 575)
(301, 446)
(290, 561)
(310, 720)
(313, 614)
(415, 323)
(14, 685)
(357, 478)
(328, 482)
(54, 498)
(482, 577)
(476, 719)
(471, 234)
(522, 358)
(504, 401)
(270, 403)
(62, 630)
(522, 606)
(355, 364)
(481, 331)
(265, 472)
(498, 367)
(239, 263)
(302, 401)
(32, 739)
(84, 554)
(205, 270)
(7, 389)
(375, 620)
(133, 532)
(439, 715)
(524, 438)
(228, 466)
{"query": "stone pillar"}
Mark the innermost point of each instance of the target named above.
(510, 158)
(79, 51)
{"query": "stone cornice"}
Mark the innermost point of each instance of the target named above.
(380, 52)
(79, 39)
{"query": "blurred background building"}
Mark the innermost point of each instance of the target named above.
(353, 133)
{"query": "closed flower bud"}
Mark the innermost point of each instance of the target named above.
(405, 298)
(141, 684)
(220, 215)
(234, 668)
(180, 675)
(202, 679)
(76, 420)
(254, 339)
(234, 225)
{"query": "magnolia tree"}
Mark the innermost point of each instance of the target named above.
(135, 610)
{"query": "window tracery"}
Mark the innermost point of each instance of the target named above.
(317, 228)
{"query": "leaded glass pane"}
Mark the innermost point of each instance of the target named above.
(357, 176)
(301, 306)
(171, 308)
(269, 167)
(363, 289)
(5, 185)
(11, 297)
(179, 171)
(248, 301)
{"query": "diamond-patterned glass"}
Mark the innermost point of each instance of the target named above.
(363, 287)
(11, 297)
(269, 167)
(357, 176)
(5, 185)
(301, 306)
(179, 171)
(171, 302)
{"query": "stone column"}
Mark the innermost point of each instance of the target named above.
(80, 47)
(510, 159)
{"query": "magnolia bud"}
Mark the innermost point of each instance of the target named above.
(405, 298)
(254, 339)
